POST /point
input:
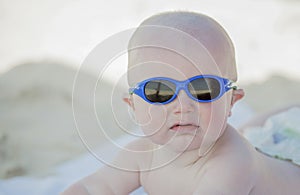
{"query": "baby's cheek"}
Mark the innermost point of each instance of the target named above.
(216, 117)
(205, 116)
(151, 118)
(213, 115)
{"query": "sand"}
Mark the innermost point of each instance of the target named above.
(37, 129)
(274, 93)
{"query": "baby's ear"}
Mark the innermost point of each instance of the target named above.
(128, 100)
(237, 94)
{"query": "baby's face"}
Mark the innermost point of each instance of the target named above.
(183, 123)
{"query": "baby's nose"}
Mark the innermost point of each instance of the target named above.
(183, 103)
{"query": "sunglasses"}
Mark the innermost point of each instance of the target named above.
(201, 88)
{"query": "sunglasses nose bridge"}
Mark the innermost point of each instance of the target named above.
(181, 85)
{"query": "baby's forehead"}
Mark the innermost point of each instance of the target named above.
(178, 54)
(166, 61)
(182, 39)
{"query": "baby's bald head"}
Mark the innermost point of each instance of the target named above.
(203, 29)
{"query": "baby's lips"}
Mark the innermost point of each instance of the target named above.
(178, 126)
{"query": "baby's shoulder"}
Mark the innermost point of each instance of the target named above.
(234, 152)
(231, 168)
(138, 151)
(132, 156)
(139, 145)
(232, 139)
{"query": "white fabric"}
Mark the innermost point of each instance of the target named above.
(279, 136)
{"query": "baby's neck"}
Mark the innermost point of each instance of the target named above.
(195, 156)
(183, 159)
(189, 158)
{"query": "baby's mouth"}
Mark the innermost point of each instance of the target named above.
(186, 127)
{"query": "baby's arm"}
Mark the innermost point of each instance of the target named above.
(105, 181)
(110, 180)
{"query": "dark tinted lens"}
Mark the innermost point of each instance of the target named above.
(204, 88)
(159, 91)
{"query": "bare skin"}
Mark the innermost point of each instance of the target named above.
(212, 157)
(232, 167)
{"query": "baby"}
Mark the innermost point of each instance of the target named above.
(182, 71)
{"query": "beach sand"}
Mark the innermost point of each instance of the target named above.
(37, 128)
(274, 93)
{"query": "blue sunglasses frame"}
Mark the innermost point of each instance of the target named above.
(225, 85)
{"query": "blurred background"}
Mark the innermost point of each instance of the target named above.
(43, 44)
(265, 33)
